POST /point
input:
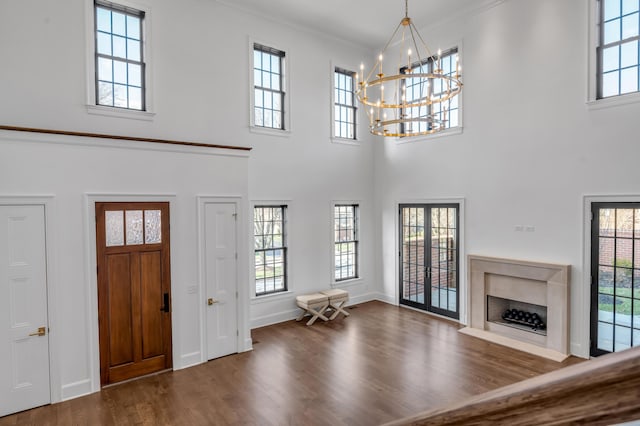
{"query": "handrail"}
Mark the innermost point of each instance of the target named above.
(116, 137)
(602, 391)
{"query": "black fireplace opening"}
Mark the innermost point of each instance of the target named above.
(517, 314)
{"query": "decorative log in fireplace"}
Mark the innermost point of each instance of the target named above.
(498, 285)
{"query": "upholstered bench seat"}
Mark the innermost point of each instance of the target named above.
(313, 304)
(337, 299)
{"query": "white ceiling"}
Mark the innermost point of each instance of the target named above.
(368, 23)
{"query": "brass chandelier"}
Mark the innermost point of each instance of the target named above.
(390, 110)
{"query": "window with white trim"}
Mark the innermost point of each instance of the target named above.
(270, 249)
(268, 82)
(344, 104)
(119, 56)
(418, 89)
(618, 47)
(346, 241)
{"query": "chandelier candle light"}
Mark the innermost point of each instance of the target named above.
(391, 112)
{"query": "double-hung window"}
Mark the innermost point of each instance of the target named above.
(346, 241)
(618, 47)
(418, 89)
(270, 249)
(268, 82)
(344, 105)
(119, 61)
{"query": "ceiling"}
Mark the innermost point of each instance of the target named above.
(368, 23)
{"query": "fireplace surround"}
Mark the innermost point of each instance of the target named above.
(516, 284)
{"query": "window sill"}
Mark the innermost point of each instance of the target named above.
(614, 101)
(346, 141)
(270, 132)
(442, 134)
(255, 300)
(347, 283)
(120, 113)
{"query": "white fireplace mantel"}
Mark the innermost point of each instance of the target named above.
(544, 284)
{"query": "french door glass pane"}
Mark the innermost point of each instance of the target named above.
(616, 271)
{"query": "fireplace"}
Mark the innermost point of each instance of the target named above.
(527, 290)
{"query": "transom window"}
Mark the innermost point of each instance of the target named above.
(132, 227)
(418, 89)
(344, 118)
(345, 219)
(619, 31)
(120, 67)
(268, 64)
(270, 249)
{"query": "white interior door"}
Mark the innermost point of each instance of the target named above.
(220, 276)
(24, 350)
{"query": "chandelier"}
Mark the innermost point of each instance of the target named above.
(416, 100)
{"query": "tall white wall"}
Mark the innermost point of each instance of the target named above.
(531, 147)
(200, 57)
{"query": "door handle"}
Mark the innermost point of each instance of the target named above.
(211, 301)
(41, 332)
(165, 307)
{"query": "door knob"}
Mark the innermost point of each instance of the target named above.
(41, 332)
(211, 301)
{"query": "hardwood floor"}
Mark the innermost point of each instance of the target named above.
(380, 364)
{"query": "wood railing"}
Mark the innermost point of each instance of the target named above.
(119, 137)
(602, 391)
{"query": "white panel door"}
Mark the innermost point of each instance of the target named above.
(24, 353)
(220, 277)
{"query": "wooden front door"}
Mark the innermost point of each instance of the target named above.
(134, 289)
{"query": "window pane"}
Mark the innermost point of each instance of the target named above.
(152, 226)
(629, 54)
(135, 98)
(105, 94)
(120, 95)
(612, 31)
(630, 26)
(118, 23)
(103, 17)
(104, 44)
(611, 58)
(258, 98)
(611, 9)
(133, 27)
(135, 75)
(133, 50)
(629, 6)
(119, 47)
(611, 84)
(629, 80)
(114, 224)
(105, 71)
(119, 72)
(134, 227)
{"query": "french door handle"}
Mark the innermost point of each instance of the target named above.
(427, 271)
(165, 307)
(41, 332)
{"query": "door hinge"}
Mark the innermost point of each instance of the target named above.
(236, 294)
(236, 256)
(237, 333)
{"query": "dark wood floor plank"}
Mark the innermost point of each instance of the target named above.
(380, 364)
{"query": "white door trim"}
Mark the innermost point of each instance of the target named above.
(91, 277)
(48, 201)
(244, 333)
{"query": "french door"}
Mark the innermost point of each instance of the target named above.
(615, 277)
(429, 241)
(134, 289)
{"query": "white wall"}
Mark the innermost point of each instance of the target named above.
(200, 57)
(530, 150)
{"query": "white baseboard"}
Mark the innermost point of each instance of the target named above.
(275, 318)
(382, 297)
(578, 350)
(248, 345)
(76, 389)
(189, 360)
